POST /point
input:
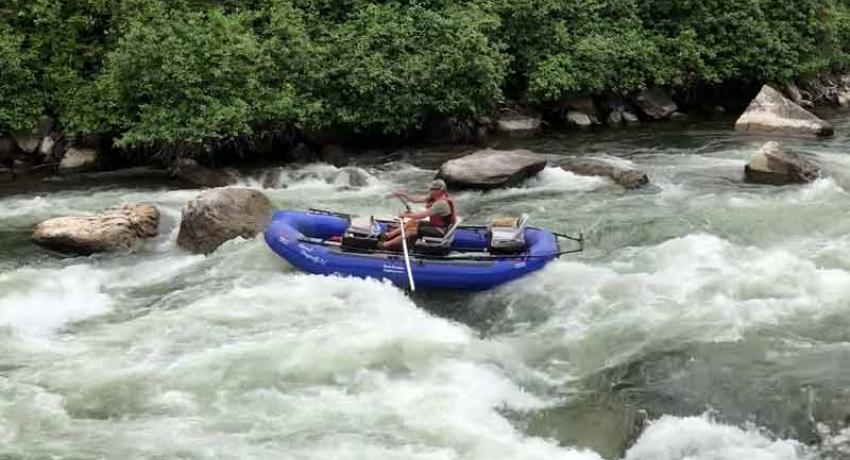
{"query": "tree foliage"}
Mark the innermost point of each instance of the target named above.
(199, 71)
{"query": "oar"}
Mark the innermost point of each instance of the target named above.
(406, 255)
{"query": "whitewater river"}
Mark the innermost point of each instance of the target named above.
(707, 319)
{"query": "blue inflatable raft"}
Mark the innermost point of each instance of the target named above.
(312, 242)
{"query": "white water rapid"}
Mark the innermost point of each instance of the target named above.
(708, 319)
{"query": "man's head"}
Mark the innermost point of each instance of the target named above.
(437, 188)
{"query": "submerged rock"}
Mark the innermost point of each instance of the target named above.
(488, 168)
(518, 125)
(221, 214)
(628, 178)
(770, 111)
(772, 165)
(655, 103)
(193, 173)
(113, 229)
(78, 159)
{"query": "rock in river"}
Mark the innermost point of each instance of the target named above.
(770, 111)
(628, 178)
(655, 103)
(78, 159)
(772, 165)
(518, 125)
(114, 229)
(222, 214)
(191, 172)
(490, 168)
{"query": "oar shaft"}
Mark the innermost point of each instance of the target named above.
(406, 255)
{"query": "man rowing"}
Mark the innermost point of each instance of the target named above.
(435, 220)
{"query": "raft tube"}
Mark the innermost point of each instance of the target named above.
(301, 238)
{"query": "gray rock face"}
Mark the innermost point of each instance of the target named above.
(114, 229)
(516, 125)
(770, 111)
(772, 165)
(78, 159)
(221, 214)
(655, 103)
(488, 168)
(191, 172)
(628, 178)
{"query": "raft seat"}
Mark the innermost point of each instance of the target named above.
(432, 245)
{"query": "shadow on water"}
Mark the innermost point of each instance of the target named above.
(792, 387)
(464, 307)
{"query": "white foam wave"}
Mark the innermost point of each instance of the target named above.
(40, 301)
(696, 288)
(701, 438)
(312, 176)
(308, 364)
(557, 178)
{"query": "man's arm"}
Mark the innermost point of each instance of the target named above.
(411, 198)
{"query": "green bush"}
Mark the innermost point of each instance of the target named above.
(21, 101)
(205, 71)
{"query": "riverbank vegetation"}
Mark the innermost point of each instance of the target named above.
(146, 72)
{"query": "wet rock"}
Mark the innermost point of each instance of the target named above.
(770, 111)
(351, 176)
(302, 153)
(580, 110)
(46, 148)
(449, 130)
(221, 214)
(628, 178)
(27, 142)
(488, 168)
(8, 147)
(656, 103)
(191, 172)
(78, 159)
(514, 124)
(114, 229)
(793, 93)
(679, 116)
(334, 154)
(579, 119)
(772, 165)
(618, 111)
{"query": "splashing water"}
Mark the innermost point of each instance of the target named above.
(706, 320)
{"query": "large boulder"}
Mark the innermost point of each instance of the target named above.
(772, 165)
(770, 111)
(628, 178)
(656, 103)
(488, 168)
(221, 214)
(191, 172)
(114, 229)
(518, 125)
(78, 159)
